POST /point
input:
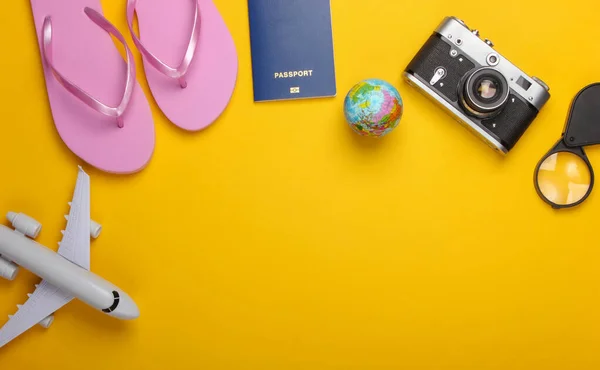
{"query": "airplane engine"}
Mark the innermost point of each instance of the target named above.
(47, 322)
(95, 229)
(24, 224)
(8, 270)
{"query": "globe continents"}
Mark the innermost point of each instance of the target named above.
(373, 108)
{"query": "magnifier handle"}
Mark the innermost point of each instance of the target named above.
(563, 146)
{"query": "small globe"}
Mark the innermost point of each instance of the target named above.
(373, 108)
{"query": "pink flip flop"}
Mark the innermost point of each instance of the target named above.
(99, 109)
(191, 35)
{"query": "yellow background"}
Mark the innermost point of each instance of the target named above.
(278, 239)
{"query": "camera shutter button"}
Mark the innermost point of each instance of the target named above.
(489, 43)
(475, 32)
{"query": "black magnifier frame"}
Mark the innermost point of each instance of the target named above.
(561, 147)
(582, 129)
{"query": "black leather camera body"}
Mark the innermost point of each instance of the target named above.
(480, 88)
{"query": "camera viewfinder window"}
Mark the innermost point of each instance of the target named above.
(523, 83)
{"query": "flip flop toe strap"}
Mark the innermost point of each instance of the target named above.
(175, 73)
(102, 22)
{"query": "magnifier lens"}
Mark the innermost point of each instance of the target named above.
(564, 178)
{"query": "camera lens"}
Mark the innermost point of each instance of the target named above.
(486, 89)
(484, 93)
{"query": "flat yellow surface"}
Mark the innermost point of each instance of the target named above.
(279, 240)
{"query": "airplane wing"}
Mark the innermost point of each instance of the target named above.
(46, 300)
(75, 245)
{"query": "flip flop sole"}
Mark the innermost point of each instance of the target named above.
(165, 28)
(86, 55)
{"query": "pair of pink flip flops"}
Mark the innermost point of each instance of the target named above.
(99, 109)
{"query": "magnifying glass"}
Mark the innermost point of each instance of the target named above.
(564, 177)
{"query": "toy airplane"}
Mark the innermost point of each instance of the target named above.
(65, 274)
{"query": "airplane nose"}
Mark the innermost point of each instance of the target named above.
(126, 309)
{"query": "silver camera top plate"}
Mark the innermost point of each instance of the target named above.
(467, 41)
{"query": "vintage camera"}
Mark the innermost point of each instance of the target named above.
(479, 87)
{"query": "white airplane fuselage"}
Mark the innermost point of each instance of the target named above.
(66, 275)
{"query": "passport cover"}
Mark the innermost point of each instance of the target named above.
(292, 49)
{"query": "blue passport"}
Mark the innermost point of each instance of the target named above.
(292, 49)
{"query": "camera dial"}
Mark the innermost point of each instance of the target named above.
(460, 21)
(484, 93)
(544, 85)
